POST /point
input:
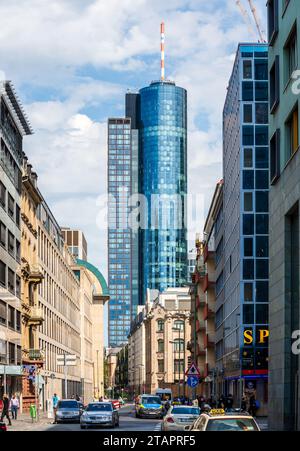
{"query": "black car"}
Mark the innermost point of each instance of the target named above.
(68, 410)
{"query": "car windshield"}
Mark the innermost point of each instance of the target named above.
(99, 408)
(232, 424)
(186, 411)
(68, 405)
(151, 400)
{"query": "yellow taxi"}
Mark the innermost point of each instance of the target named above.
(219, 420)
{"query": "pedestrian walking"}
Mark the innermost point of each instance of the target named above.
(15, 405)
(221, 402)
(253, 406)
(229, 402)
(5, 409)
(244, 404)
(55, 401)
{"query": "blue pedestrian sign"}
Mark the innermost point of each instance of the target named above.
(192, 381)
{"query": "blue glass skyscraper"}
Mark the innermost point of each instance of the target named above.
(163, 181)
(147, 154)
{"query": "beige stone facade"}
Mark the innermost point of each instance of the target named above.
(59, 301)
(159, 342)
(32, 315)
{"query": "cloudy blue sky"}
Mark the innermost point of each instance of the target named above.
(72, 61)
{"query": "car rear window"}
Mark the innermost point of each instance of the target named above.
(186, 411)
(151, 400)
(232, 424)
(99, 408)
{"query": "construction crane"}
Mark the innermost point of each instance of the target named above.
(257, 21)
(246, 17)
(248, 21)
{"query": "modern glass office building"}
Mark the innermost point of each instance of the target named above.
(163, 181)
(119, 233)
(246, 226)
(147, 155)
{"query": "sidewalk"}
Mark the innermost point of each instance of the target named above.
(24, 423)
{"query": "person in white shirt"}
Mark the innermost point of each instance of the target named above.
(14, 403)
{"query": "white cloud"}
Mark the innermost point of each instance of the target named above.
(45, 47)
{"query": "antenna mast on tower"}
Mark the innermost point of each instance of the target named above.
(162, 50)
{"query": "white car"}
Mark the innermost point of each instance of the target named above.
(219, 420)
(99, 414)
(178, 417)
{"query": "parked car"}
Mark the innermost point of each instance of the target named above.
(68, 410)
(99, 414)
(219, 420)
(178, 417)
(148, 406)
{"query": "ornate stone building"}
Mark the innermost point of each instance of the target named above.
(32, 315)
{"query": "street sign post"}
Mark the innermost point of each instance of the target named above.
(193, 371)
(66, 360)
(193, 381)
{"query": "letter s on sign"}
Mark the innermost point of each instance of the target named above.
(296, 344)
(248, 337)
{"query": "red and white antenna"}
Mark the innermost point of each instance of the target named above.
(162, 50)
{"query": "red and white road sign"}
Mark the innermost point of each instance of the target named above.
(193, 370)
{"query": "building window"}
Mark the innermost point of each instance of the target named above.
(248, 202)
(18, 215)
(248, 157)
(261, 69)
(262, 269)
(179, 367)
(274, 85)
(247, 69)
(11, 206)
(160, 325)
(248, 314)
(261, 113)
(248, 269)
(247, 91)
(2, 274)
(261, 91)
(248, 135)
(12, 353)
(262, 201)
(11, 317)
(18, 251)
(3, 312)
(11, 281)
(248, 224)
(18, 321)
(11, 243)
(248, 292)
(160, 346)
(248, 179)
(248, 247)
(291, 55)
(262, 292)
(178, 345)
(272, 20)
(2, 195)
(2, 234)
(262, 157)
(292, 134)
(179, 325)
(275, 157)
(18, 286)
(248, 117)
(262, 313)
(161, 366)
(262, 246)
(262, 224)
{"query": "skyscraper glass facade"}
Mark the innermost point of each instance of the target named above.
(119, 233)
(163, 173)
(246, 222)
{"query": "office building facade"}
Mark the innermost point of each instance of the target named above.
(163, 161)
(284, 59)
(13, 127)
(246, 226)
(120, 258)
